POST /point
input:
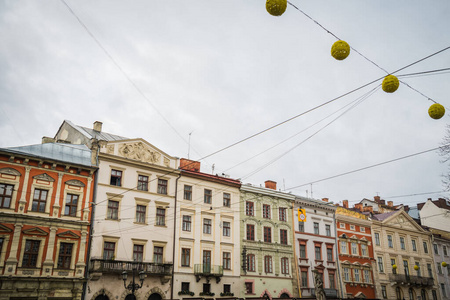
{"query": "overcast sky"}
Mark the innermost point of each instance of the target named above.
(225, 70)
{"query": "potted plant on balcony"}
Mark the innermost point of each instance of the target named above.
(226, 294)
(186, 293)
(206, 294)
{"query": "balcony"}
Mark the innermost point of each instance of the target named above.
(311, 292)
(411, 280)
(100, 266)
(208, 271)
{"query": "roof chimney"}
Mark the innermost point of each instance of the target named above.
(345, 203)
(271, 184)
(325, 199)
(390, 203)
(98, 126)
(368, 208)
(377, 199)
(47, 139)
(190, 165)
(359, 206)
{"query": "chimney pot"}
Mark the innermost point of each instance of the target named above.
(390, 203)
(325, 199)
(345, 203)
(269, 184)
(359, 206)
(190, 165)
(98, 126)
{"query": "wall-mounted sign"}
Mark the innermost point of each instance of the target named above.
(301, 215)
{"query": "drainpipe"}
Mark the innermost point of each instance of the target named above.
(337, 255)
(294, 242)
(91, 230)
(174, 232)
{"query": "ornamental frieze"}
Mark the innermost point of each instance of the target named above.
(139, 151)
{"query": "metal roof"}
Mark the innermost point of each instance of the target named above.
(75, 154)
(91, 133)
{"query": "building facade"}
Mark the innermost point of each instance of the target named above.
(207, 251)
(315, 247)
(134, 215)
(266, 243)
(441, 251)
(355, 253)
(405, 267)
(45, 215)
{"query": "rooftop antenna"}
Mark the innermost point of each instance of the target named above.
(311, 192)
(189, 143)
(213, 165)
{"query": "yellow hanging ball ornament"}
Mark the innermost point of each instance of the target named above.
(394, 267)
(340, 50)
(444, 264)
(390, 84)
(436, 111)
(416, 267)
(276, 7)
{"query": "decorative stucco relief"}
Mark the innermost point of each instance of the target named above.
(110, 149)
(139, 151)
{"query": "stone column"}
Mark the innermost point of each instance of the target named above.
(48, 262)
(11, 262)
(23, 197)
(80, 265)
(87, 201)
(56, 204)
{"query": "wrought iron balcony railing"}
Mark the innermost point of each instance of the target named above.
(118, 266)
(411, 279)
(208, 270)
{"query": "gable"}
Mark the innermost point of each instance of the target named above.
(34, 231)
(404, 221)
(68, 234)
(44, 177)
(140, 150)
(4, 229)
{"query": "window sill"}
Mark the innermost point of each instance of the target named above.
(163, 226)
(116, 220)
(140, 223)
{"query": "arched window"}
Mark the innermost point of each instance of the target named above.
(423, 293)
(398, 293)
(411, 294)
(101, 297)
(155, 296)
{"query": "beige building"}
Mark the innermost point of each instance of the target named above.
(404, 266)
(134, 215)
(207, 258)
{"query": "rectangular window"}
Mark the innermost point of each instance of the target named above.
(367, 276)
(71, 205)
(206, 261)
(185, 286)
(207, 196)
(108, 250)
(425, 247)
(65, 255)
(142, 183)
(39, 200)
(352, 227)
(302, 251)
(430, 271)
(30, 254)
(185, 257)
(6, 191)
(227, 261)
(327, 230)
(406, 267)
(186, 223)
(158, 255)
(249, 211)
(250, 232)
(444, 293)
(304, 275)
(162, 186)
(329, 254)
(434, 293)
(227, 288)
(283, 237)
(266, 211)
(394, 271)
(342, 225)
(435, 247)
(383, 291)
(377, 239)
(402, 243)
(418, 270)
(226, 229)
(318, 253)
(207, 226)
(268, 234)
(206, 288)
(282, 214)
(444, 248)
(301, 226)
(268, 264)
(250, 262)
(116, 178)
(362, 229)
(356, 275)
(439, 269)
(113, 210)
(160, 216)
(380, 264)
(284, 265)
(364, 250)
(390, 243)
(249, 287)
(316, 228)
(187, 195)
(354, 248)
(346, 274)
(226, 199)
(344, 247)
(141, 211)
(332, 281)
(413, 244)
(138, 253)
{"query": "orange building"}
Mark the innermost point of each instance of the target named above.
(355, 252)
(46, 193)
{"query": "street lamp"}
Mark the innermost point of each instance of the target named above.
(133, 286)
